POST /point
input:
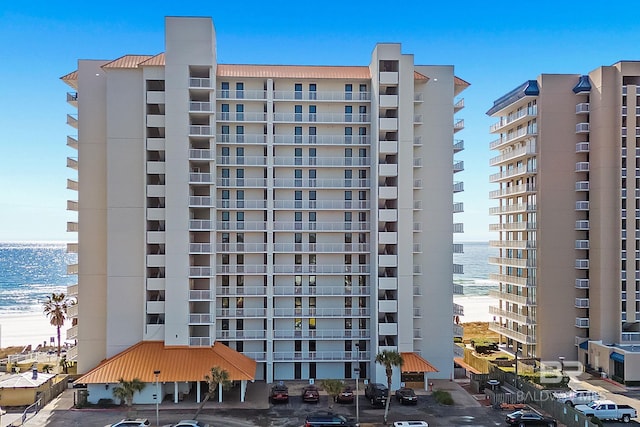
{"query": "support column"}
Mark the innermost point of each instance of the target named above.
(243, 389)
(198, 391)
(175, 392)
(219, 392)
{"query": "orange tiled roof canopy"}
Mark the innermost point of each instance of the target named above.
(174, 364)
(415, 363)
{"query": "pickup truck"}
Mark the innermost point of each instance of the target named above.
(607, 410)
(577, 397)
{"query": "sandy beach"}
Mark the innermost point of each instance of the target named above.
(28, 328)
(476, 308)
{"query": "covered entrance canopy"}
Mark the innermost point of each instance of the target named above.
(176, 364)
(414, 370)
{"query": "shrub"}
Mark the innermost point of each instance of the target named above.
(443, 397)
(597, 421)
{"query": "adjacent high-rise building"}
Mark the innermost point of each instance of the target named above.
(568, 213)
(300, 215)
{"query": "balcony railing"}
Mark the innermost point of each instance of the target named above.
(292, 95)
(322, 117)
(511, 118)
(516, 335)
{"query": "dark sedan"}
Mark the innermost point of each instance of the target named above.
(345, 396)
(311, 394)
(406, 396)
(522, 418)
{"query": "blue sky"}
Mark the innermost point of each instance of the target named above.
(495, 47)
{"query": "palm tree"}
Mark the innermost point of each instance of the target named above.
(127, 389)
(389, 359)
(333, 389)
(216, 377)
(56, 309)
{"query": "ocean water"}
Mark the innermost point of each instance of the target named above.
(475, 260)
(29, 272)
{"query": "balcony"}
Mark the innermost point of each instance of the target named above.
(318, 312)
(72, 141)
(72, 205)
(458, 310)
(528, 150)
(582, 225)
(458, 145)
(514, 280)
(582, 108)
(72, 226)
(200, 83)
(582, 244)
(200, 154)
(72, 163)
(72, 248)
(515, 335)
(201, 201)
(582, 147)
(515, 316)
(200, 341)
(514, 226)
(72, 120)
(458, 166)
(201, 107)
(512, 137)
(457, 126)
(582, 303)
(582, 284)
(201, 319)
(512, 191)
(582, 205)
(582, 322)
(582, 167)
(72, 333)
(510, 209)
(582, 186)
(582, 128)
(321, 117)
(201, 248)
(388, 78)
(198, 178)
(321, 95)
(241, 334)
(582, 264)
(513, 244)
(201, 224)
(518, 299)
(202, 130)
(72, 98)
(457, 106)
(511, 119)
(512, 173)
(241, 116)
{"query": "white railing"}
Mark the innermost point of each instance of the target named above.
(321, 268)
(198, 106)
(322, 117)
(289, 95)
(199, 82)
(321, 290)
(322, 139)
(321, 161)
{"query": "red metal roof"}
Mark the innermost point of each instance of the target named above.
(157, 60)
(174, 363)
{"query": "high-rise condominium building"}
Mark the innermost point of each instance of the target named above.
(300, 215)
(569, 215)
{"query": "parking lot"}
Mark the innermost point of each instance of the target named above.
(468, 410)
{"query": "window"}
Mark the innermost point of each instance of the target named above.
(348, 113)
(297, 116)
(240, 198)
(312, 113)
(225, 133)
(362, 135)
(298, 156)
(224, 89)
(312, 91)
(225, 155)
(298, 177)
(312, 177)
(363, 113)
(348, 132)
(297, 91)
(348, 153)
(298, 199)
(297, 135)
(312, 134)
(225, 198)
(224, 112)
(348, 91)
(239, 133)
(348, 216)
(240, 112)
(240, 155)
(312, 156)
(363, 92)
(240, 90)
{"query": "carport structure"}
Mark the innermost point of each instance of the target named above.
(167, 370)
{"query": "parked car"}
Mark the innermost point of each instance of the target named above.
(608, 410)
(523, 418)
(328, 419)
(577, 397)
(190, 423)
(279, 393)
(376, 393)
(131, 422)
(410, 424)
(406, 396)
(310, 394)
(345, 396)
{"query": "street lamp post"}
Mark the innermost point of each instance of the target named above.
(357, 372)
(157, 397)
